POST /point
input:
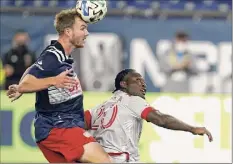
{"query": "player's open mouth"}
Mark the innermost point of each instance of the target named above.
(143, 91)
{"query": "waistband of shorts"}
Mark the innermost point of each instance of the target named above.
(120, 153)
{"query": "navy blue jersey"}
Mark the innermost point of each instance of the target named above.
(56, 107)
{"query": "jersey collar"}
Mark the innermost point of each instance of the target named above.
(58, 45)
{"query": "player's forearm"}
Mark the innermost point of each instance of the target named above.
(31, 84)
(170, 122)
(167, 121)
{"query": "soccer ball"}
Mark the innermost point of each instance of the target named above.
(92, 11)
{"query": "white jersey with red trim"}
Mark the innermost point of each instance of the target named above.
(117, 124)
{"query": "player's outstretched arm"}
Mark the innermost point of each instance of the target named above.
(170, 122)
(31, 84)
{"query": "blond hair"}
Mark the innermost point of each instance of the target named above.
(65, 19)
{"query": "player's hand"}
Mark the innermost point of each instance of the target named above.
(13, 93)
(202, 131)
(64, 81)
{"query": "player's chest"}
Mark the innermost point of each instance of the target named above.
(63, 67)
(59, 95)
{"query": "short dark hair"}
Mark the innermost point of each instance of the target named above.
(120, 77)
(182, 35)
(20, 31)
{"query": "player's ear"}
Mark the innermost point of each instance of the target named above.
(68, 31)
(123, 84)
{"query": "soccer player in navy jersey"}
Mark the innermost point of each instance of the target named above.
(59, 120)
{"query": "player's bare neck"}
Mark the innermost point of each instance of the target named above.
(68, 48)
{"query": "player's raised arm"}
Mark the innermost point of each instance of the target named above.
(43, 74)
(170, 122)
(31, 83)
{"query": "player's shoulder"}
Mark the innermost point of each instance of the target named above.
(137, 101)
(53, 53)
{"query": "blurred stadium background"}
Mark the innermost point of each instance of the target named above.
(136, 34)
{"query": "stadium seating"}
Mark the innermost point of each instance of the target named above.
(211, 5)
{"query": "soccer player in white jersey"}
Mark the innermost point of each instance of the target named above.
(117, 123)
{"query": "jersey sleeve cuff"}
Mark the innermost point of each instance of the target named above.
(145, 112)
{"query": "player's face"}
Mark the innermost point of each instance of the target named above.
(21, 39)
(136, 85)
(79, 33)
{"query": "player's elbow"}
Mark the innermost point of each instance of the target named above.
(27, 85)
